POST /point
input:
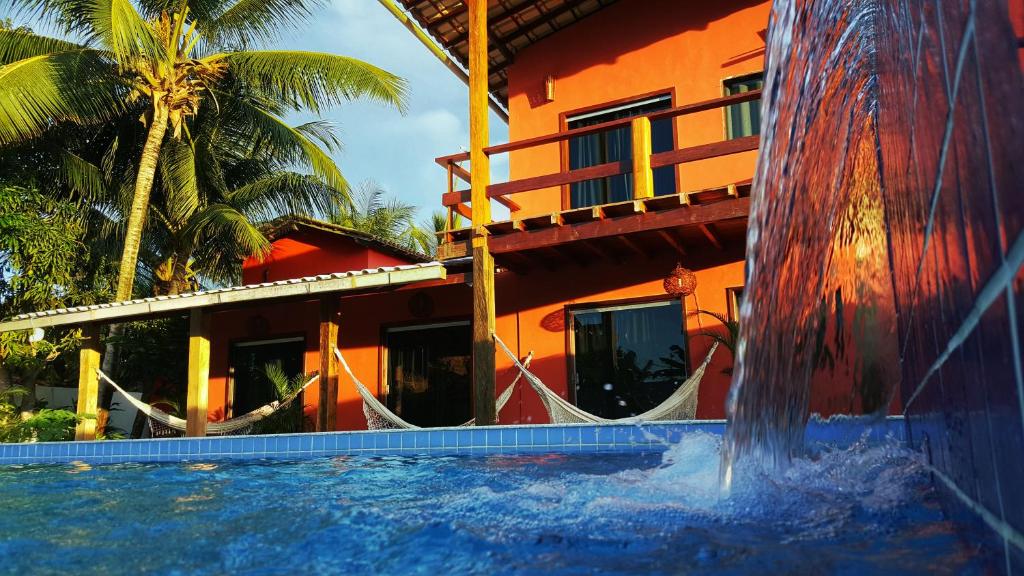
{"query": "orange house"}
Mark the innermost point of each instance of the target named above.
(634, 128)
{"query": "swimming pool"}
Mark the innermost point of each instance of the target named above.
(864, 509)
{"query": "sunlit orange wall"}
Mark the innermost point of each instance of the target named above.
(630, 48)
(309, 252)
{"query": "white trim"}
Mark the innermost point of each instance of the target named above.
(311, 286)
(621, 307)
(417, 327)
(627, 106)
(268, 342)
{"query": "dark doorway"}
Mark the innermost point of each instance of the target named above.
(249, 360)
(429, 374)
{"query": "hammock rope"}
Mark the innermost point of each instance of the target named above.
(240, 425)
(379, 417)
(680, 405)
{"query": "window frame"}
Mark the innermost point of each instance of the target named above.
(563, 126)
(283, 338)
(725, 92)
(383, 384)
(733, 303)
(570, 340)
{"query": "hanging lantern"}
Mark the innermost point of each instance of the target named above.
(681, 282)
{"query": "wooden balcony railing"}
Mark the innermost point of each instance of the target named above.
(641, 165)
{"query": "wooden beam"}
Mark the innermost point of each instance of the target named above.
(710, 235)
(483, 262)
(643, 176)
(705, 151)
(667, 236)
(327, 411)
(88, 382)
(650, 221)
(633, 246)
(198, 372)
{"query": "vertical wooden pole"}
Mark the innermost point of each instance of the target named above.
(483, 262)
(88, 382)
(643, 177)
(198, 372)
(326, 414)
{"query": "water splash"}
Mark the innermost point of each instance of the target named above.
(817, 324)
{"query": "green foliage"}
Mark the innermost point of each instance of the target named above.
(45, 425)
(390, 220)
(291, 418)
(728, 336)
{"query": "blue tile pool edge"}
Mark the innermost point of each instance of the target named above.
(497, 440)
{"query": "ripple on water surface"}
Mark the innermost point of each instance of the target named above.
(856, 511)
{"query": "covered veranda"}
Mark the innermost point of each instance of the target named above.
(199, 307)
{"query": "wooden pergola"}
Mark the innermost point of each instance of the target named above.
(199, 307)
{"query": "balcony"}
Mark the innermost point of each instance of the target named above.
(684, 221)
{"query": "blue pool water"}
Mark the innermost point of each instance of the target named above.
(866, 509)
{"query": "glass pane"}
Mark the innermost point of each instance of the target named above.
(744, 119)
(614, 146)
(429, 380)
(252, 388)
(628, 360)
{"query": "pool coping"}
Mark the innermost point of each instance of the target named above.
(496, 440)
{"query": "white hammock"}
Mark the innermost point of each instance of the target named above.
(379, 417)
(239, 425)
(681, 405)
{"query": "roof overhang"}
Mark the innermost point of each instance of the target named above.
(512, 25)
(310, 286)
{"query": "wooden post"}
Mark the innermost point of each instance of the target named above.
(643, 177)
(198, 372)
(483, 262)
(327, 411)
(88, 382)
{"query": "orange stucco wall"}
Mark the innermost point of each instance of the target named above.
(307, 252)
(531, 313)
(631, 48)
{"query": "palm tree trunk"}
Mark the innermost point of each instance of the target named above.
(132, 241)
(140, 202)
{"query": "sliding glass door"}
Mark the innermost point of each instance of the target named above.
(429, 374)
(627, 359)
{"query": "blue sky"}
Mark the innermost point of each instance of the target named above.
(379, 143)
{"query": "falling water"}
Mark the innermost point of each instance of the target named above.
(817, 321)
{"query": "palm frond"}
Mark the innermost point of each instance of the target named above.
(284, 193)
(179, 179)
(18, 45)
(124, 32)
(83, 177)
(37, 92)
(257, 129)
(249, 21)
(224, 220)
(312, 80)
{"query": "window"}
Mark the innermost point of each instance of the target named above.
(615, 146)
(627, 359)
(734, 298)
(429, 374)
(249, 361)
(743, 119)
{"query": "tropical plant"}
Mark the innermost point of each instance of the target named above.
(44, 425)
(390, 220)
(164, 62)
(432, 227)
(291, 418)
(727, 337)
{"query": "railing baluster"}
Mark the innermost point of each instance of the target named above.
(643, 177)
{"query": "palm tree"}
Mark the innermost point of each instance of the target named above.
(167, 60)
(390, 220)
(434, 225)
